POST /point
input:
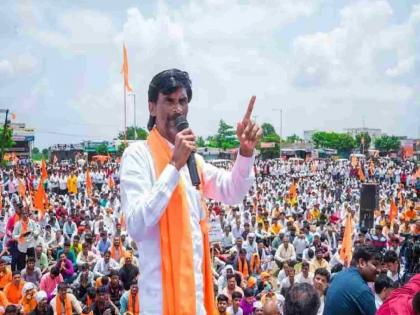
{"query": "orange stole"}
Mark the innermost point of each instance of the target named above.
(178, 281)
(255, 263)
(133, 309)
(243, 268)
(67, 305)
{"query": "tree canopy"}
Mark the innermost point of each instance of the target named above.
(363, 141)
(387, 143)
(333, 140)
(134, 133)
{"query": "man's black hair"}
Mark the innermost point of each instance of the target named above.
(167, 82)
(323, 272)
(390, 256)
(416, 303)
(236, 295)
(365, 252)
(230, 276)
(383, 282)
(222, 298)
(302, 299)
(54, 271)
(248, 292)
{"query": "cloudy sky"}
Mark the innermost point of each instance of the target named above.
(328, 64)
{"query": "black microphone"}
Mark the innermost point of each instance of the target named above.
(181, 124)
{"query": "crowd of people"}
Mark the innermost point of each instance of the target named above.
(65, 248)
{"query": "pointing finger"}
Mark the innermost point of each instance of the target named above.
(250, 108)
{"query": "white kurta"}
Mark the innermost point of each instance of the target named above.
(145, 198)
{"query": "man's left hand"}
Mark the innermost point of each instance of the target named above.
(248, 132)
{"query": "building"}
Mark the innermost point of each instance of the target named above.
(372, 132)
(307, 135)
(23, 138)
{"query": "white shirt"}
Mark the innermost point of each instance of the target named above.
(144, 199)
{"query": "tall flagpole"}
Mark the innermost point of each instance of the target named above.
(125, 114)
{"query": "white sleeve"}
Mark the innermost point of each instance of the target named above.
(143, 199)
(229, 187)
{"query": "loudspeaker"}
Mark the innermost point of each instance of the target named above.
(369, 201)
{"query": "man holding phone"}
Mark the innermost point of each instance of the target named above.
(23, 233)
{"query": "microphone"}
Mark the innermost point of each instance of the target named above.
(181, 124)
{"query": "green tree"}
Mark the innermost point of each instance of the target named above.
(226, 137)
(121, 147)
(134, 134)
(102, 149)
(45, 154)
(387, 143)
(270, 135)
(342, 142)
(200, 142)
(6, 141)
(35, 150)
(268, 129)
(293, 139)
(363, 141)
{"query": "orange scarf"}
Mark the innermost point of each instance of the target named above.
(121, 252)
(28, 305)
(178, 281)
(243, 268)
(67, 305)
(89, 301)
(23, 231)
(133, 309)
(255, 263)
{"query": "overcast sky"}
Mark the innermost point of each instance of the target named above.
(327, 64)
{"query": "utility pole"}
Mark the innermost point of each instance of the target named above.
(4, 133)
(281, 125)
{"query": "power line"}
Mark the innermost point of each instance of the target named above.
(69, 134)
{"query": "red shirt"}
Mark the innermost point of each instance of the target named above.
(400, 301)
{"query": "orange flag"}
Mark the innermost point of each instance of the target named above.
(88, 184)
(393, 211)
(40, 199)
(347, 245)
(111, 183)
(361, 174)
(21, 189)
(354, 161)
(44, 173)
(124, 70)
(292, 191)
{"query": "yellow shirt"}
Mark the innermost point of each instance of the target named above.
(72, 184)
(275, 229)
(315, 264)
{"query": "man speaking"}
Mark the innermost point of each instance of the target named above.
(165, 213)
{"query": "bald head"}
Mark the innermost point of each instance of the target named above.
(271, 308)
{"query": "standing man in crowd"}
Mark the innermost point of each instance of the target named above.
(164, 211)
(349, 293)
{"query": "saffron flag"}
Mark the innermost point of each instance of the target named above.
(44, 173)
(347, 245)
(361, 173)
(293, 192)
(40, 199)
(393, 211)
(124, 70)
(88, 184)
(111, 182)
(21, 189)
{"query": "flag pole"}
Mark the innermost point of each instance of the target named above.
(125, 114)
